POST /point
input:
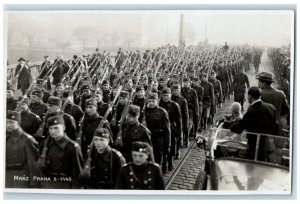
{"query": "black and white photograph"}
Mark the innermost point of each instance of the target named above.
(157, 100)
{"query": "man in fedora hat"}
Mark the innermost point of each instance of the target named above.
(273, 96)
(24, 77)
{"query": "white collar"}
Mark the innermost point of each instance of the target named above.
(255, 102)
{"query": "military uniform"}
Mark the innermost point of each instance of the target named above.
(30, 122)
(21, 154)
(102, 108)
(140, 102)
(64, 163)
(105, 168)
(239, 87)
(11, 103)
(132, 133)
(75, 111)
(208, 101)
(158, 123)
(145, 177)
(38, 108)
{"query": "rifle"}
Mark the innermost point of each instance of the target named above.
(86, 172)
(25, 95)
(40, 131)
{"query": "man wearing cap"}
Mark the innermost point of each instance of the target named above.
(45, 67)
(71, 108)
(106, 163)
(59, 89)
(24, 78)
(54, 105)
(200, 91)
(102, 106)
(117, 113)
(140, 100)
(63, 159)
(60, 69)
(30, 122)
(140, 174)
(106, 92)
(259, 118)
(193, 105)
(37, 105)
(158, 123)
(21, 154)
(273, 96)
(86, 94)
(208, 99)
(11, 102)
(40, 85)
(90, 123)
(181, 101)
(175, 119)
(218, 96)
(223, 76)
(133, 130)
(239, 86)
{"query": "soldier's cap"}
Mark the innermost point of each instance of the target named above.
(99, 91)
(66, 94)
(25, 101)
(75, 56)
(46, 56)
(85, 86)
(265, 76)
(39, 81)
(10, 88)
(154, 90)
(162, 79)
(153, 95)
(97, 49)
(166, 91)
(37, 92)
(139, 88)
(21, 59)
(124, 94)
(141, 147)
(102, 132)
(60, 84)
(91, 102)
(55, 120)
(105, 82)
(213, 73)
(176, 86)
(133, 110)
(204, 75)
(55, 101)
(186, 79)
(84, 73)
(13, 115)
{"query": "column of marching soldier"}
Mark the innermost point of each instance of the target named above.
(97, 123)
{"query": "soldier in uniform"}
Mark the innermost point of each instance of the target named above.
(223, 77)
(133, 131)
(70, 108)
(106, 162)
(24, 79)
(140, 174)
(181, 101)
(90, 123)
(40, 85)
(54, 109)
(175, 119)
(117, 113)
(11, 102)
(208, 99)
(86, 94)
(199, 90)
(192, 99)
(21, 154)
(63, 159)
(239, 86)
(140, 100)
(37, 105)
(102, 106)
(59, 90)
(106, 92)
(30, 122)
(218, 95)
(158, 123)
(45, 67)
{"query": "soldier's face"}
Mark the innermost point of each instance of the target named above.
(90, 109)
(132, 119)
(11, 125)
(176, 92)
(57, 131)
(140, 94)
(152, 103)
(35, 98)
(99, 97)
(155, 85)
(100, 143)
(186, 84)
(9, 94)
(166, 97)
(123, 101)
(105, 86)
(23, 107)
(139, 158)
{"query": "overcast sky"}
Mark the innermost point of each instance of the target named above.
(148, 28)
